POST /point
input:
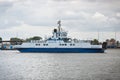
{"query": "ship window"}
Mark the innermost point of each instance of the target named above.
(37, 44)
(45, 44)
(63, 44)
(72, 44)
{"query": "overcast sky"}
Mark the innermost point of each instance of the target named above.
(84, 18)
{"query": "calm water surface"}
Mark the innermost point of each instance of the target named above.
(50, 66)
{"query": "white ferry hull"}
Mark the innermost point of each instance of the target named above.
(61, 50)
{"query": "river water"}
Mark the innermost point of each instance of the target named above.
(61, 66)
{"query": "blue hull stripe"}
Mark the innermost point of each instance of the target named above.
(62, 50)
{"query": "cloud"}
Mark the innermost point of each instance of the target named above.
(24, 31)
(118, 14)
(99, 17)
(77, 15)
(4, 6)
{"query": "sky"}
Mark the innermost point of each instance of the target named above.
(83, 19)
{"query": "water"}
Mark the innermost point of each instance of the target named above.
(51, 66)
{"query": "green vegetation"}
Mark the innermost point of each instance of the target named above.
(16, 40)
(34, 38)
(95, 42)
(112, 40)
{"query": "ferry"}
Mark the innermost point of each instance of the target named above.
(59, 43)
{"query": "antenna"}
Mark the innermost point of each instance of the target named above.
(98, 35)
(59, 27)
(115, 36)
(16, 34)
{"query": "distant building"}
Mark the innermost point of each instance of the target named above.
(118, 44)
(111, 43)
(8, 45)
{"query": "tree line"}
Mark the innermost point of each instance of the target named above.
(16, 40)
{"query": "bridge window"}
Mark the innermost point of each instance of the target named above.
(72, 44)
(45, 44)
(37, 44)
(63, 44)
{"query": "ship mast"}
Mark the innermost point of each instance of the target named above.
(59, 27)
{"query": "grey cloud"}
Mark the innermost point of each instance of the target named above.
(22, 12)
(46, 13)
(4, 6)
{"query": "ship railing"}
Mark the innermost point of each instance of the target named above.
(96, 46)
(81, 41)
(36, 41)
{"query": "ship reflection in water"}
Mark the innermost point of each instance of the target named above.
(22, 66)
